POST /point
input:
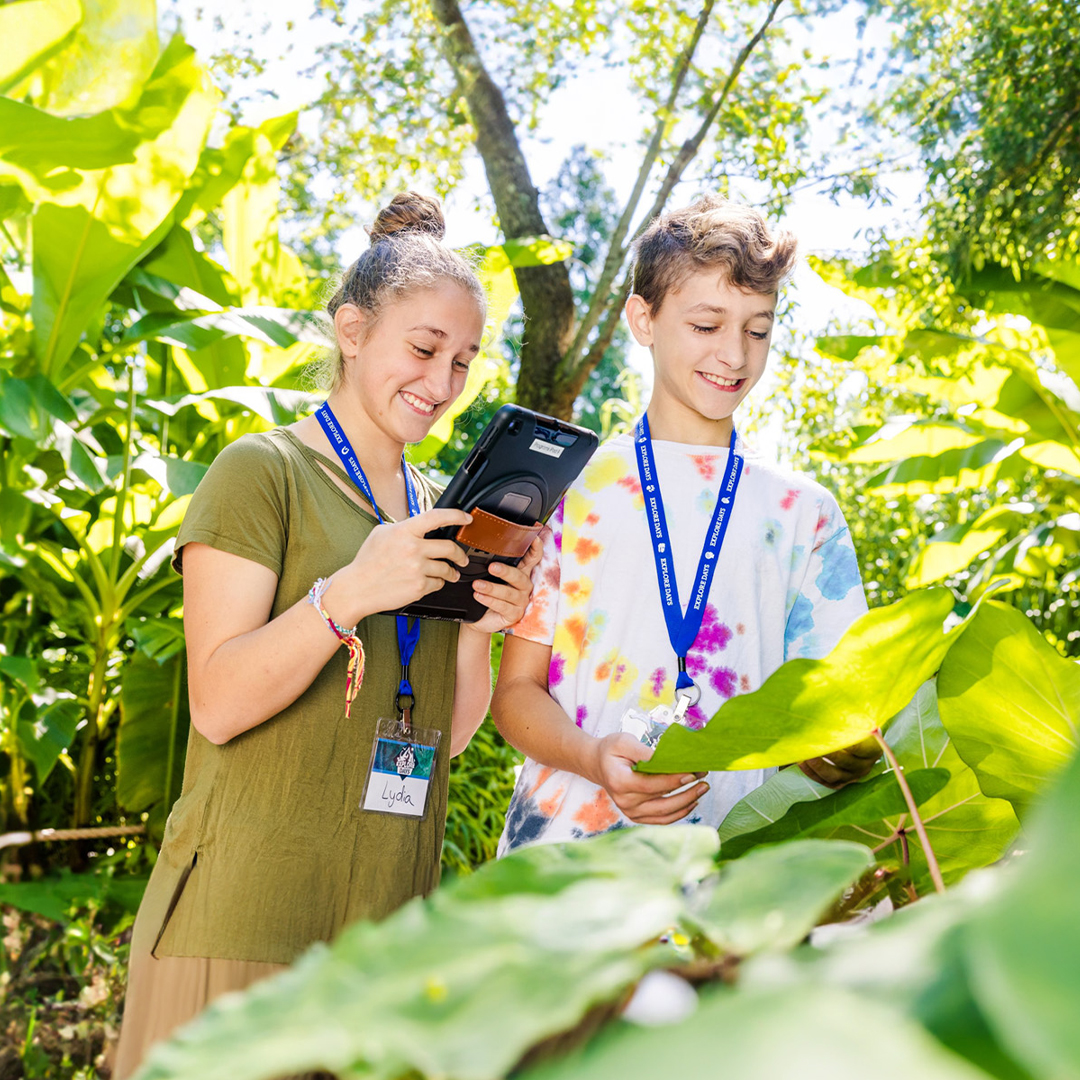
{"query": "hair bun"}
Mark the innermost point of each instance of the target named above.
(409, 212)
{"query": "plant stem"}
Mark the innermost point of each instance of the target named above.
(920, 828)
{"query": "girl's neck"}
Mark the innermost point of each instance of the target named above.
(379, 454)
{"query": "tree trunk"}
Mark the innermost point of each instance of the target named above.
(546, 295)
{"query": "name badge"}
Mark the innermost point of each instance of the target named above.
(402, 765)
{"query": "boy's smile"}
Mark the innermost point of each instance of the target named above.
(710, 343)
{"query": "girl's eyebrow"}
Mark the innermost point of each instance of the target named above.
(472, 350)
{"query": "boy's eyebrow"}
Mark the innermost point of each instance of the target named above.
(714, 309)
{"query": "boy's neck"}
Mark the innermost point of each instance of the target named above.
(693, 429)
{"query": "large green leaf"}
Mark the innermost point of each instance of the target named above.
(177, 261)
(272, 326)
(43, 739)
(954, 548)
(32, 31)
(1022, 950)
(54, 897)
(769, 1034)
(86, 239)
(773, 898)
(1010, 703)
(904, 437)
(150, 745)
(811, 707)
(860, 805)
(276, 406)
(460, 985)
(967, 829)
(41, 150)
(973, 466)
(75, 81)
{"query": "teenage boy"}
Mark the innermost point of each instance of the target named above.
(681, 568)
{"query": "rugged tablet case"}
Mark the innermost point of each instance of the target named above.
(511, 482)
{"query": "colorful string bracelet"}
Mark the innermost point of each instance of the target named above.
(355, 672)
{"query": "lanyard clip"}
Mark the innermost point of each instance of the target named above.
(405, 699)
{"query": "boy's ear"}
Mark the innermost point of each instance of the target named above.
(640, 318)
(349, 325)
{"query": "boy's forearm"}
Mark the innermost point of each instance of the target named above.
(534, 723)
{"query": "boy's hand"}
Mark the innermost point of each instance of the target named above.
(843, 766)
(643, 798)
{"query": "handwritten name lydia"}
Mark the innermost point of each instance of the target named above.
(394, 795)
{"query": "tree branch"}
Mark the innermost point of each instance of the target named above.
(616, 253)
(546, 294)
(577, 366)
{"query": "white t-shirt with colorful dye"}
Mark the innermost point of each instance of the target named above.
(787, 585)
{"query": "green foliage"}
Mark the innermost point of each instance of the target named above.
(970, 431)
(810, 707)
(1011, 704)
(989, 92)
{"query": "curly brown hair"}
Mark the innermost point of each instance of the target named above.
(711, 234)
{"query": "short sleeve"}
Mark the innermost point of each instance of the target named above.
(538, 622)
(241, 505)
(830, 597)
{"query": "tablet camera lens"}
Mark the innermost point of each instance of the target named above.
(516, 426)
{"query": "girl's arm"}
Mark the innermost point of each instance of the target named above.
(506, 604)
(532, 721)
(244, 667)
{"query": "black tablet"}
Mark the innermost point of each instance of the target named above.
(511, 482)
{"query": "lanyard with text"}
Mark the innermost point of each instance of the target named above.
(683, 629)
(408, 630)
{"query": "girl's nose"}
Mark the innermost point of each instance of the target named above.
(439, 380)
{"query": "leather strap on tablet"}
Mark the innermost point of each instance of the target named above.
(496, 535)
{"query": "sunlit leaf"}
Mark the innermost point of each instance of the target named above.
(86, 243)
(33, 31)
(1011, 704)
(810, 707)
(520, 960)
(75, 82)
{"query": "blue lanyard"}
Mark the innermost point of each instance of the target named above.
(683, 630)
(408, 631)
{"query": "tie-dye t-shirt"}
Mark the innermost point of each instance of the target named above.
(787, 584)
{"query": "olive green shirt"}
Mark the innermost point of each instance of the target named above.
(266, 850)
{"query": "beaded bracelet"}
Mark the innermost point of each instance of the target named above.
(355, 672)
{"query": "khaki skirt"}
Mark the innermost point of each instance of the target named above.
(165, 992)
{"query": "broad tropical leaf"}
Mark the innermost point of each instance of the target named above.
(153, 735)
(86, 239)
(520, 958)
(32, 32)
(861, 805)
(810, 707)
(774, 897)
(1010, 703)
(799, 1034)
(1021, 951)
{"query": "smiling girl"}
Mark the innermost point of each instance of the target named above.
(293, 544)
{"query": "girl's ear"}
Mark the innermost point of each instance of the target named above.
(640, 317)
(349, 324)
